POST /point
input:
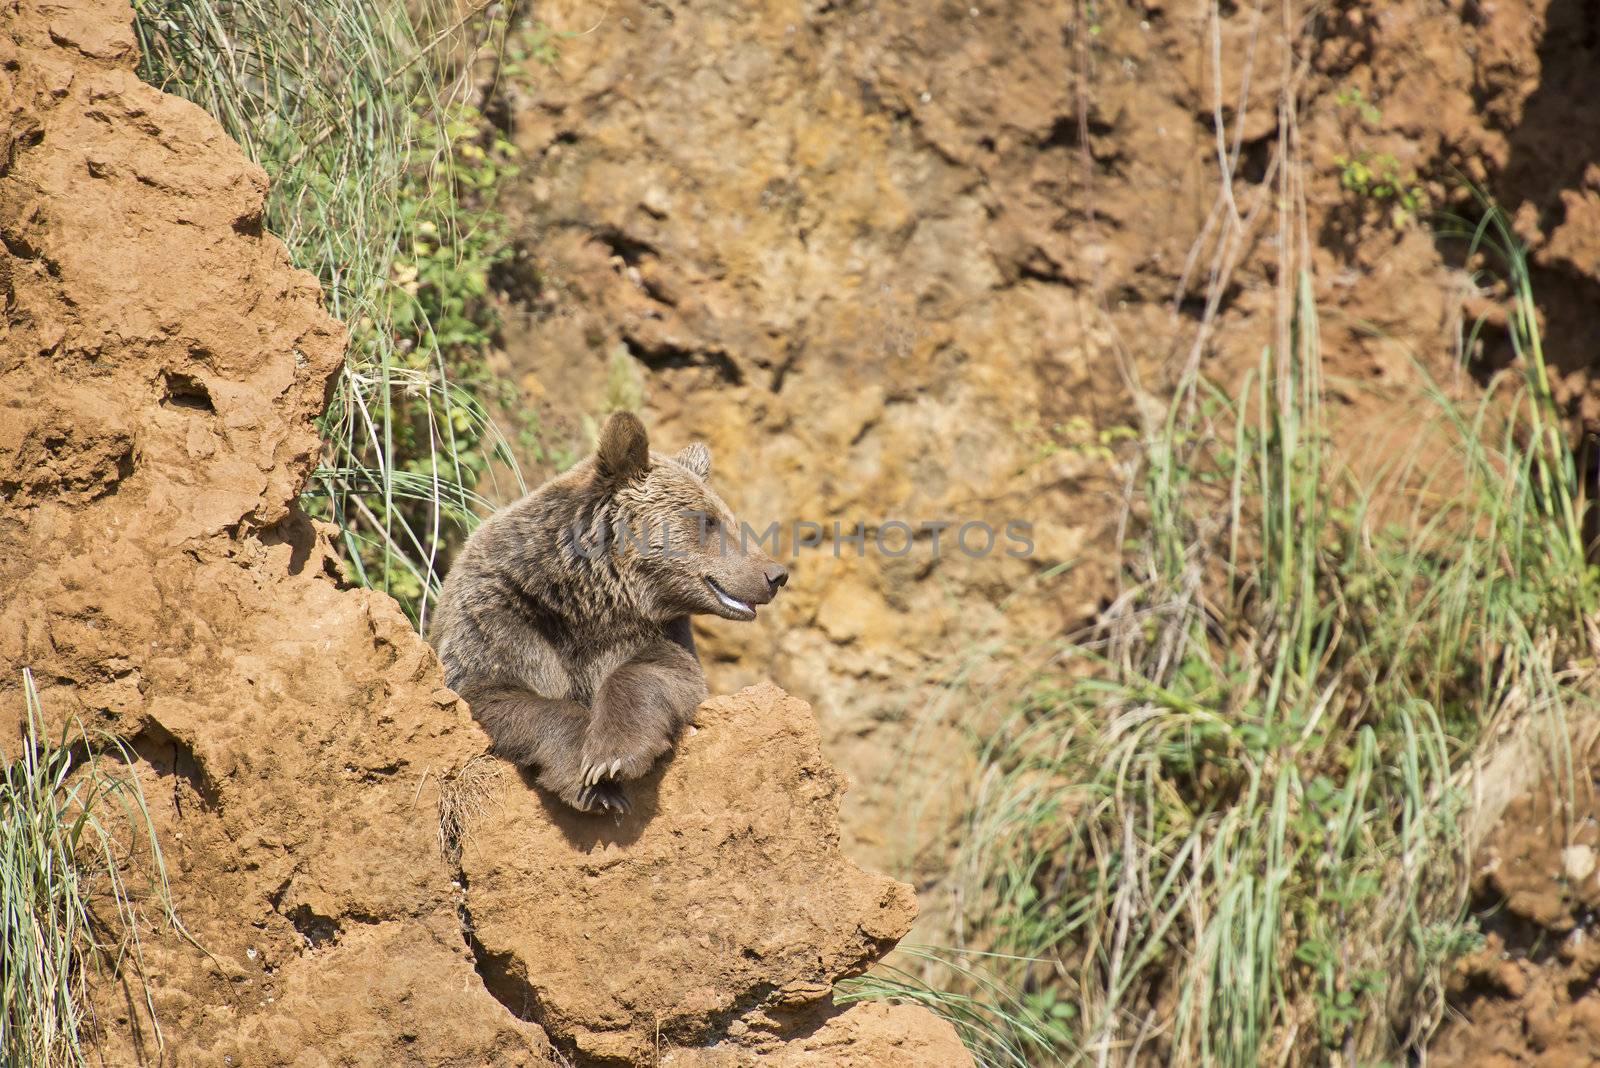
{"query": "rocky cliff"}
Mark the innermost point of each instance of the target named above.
(358, 884)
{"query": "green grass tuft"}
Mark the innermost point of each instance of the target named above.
(1234, 827)
(65, 910)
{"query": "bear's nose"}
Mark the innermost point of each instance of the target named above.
(777, 575)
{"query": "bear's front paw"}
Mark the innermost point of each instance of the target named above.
(614, 755)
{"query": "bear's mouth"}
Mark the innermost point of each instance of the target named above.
(731, 606)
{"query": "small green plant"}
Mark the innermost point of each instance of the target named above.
(1379, 178)
(542, 44)
(1353, 99)
(1077, 436)
(66, 912)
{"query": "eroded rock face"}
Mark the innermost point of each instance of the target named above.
(161, 373)
(162, 370)
(723, 893)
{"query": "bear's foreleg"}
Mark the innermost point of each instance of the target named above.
(546, 734)
(639, 710)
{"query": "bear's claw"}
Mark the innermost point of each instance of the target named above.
(605, 796)
(594, 773)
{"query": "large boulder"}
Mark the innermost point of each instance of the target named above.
(723, 893)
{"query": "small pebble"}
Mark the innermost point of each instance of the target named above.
(1579, 860)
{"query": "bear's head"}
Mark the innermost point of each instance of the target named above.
(677, 546)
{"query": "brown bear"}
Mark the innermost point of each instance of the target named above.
(564, 621)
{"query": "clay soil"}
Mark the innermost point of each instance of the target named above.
(1531, 994)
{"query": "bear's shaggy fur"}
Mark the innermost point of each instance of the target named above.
(564, 621)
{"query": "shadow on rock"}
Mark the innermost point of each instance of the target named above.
(588, 831)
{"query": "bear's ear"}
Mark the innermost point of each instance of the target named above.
(624, 451)
(697, 458)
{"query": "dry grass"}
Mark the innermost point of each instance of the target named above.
(461, 799)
